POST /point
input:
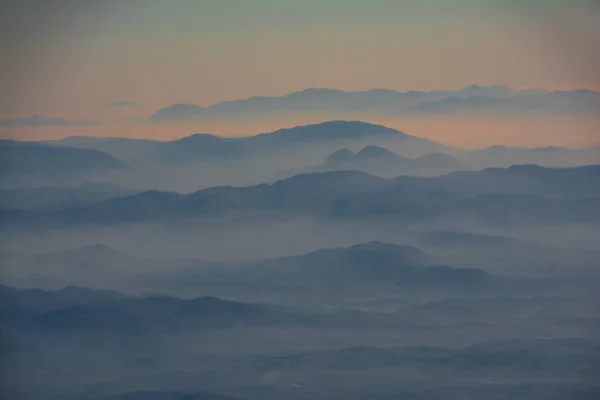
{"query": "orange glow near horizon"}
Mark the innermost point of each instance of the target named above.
(88, 55)
(463, 132)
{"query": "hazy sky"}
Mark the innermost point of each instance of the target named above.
(73, 58)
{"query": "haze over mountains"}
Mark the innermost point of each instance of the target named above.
(523, 117)
(204, 160)
(201, 146)
(328, 261)
(491, 196)
(299, 200)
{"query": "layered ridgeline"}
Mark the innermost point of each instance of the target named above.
(357, 268)
(495, 196)
(198, 160)
(136, 337)
(321, 138)
(310, 145)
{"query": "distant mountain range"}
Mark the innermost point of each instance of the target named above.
(85, 310)
(495, 195)
(312, 141)
(323, 137)
(332, 103)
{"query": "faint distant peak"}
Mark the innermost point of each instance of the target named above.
(178, 111)
(479, 89)
(550, 149)
(576, 91)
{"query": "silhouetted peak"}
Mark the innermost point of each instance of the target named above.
(342, 155)
(376, 152)
(200, 138)
(334, 129)
(175, 112)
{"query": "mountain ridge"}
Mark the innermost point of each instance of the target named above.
(391, 102)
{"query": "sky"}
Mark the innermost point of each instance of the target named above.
(75, 58)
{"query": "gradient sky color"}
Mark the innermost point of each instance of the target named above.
(73, 58)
